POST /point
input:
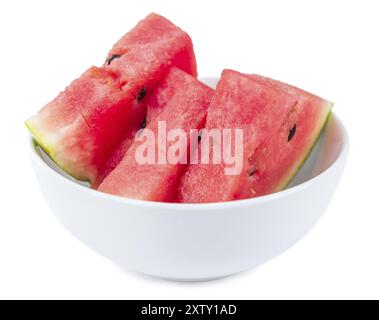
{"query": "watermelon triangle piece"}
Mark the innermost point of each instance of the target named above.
(146, 33)
(280, 125)
(85, 124)
(184, 101)
(154, 104)
(302, 130)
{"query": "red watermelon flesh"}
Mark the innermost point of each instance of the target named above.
(155, 103)
(84, 125)
(150, 29)
(69, 128)
(49, 129)
(293, 143)
(185, 110)
(274, 148)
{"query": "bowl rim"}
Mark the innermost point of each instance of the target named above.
(205, 206)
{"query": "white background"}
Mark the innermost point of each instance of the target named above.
(328, 47)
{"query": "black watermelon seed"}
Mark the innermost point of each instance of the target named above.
(292, 133)
(144, 124)
(251, 172)
(111, 58)
(199, 136)
(141, 94)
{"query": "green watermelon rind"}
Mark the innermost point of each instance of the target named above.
(297, 168)
(38, 136)
(40, 141)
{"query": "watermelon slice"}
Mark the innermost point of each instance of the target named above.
(85, 124)
(155, 103)
(280, 124)
(184, 102)
(302, 131)
(151, 30)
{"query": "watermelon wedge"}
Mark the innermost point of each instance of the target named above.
(302, 131)
(184, 101)
(86, 123)
(148, 32)
(154, 104)
(280, 125)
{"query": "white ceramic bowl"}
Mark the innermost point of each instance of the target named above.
(194, 242)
